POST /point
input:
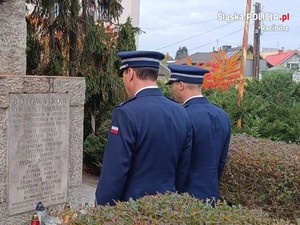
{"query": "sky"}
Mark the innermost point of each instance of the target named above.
(201, 25)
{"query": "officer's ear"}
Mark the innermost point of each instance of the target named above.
(131, 74)
(181, 85)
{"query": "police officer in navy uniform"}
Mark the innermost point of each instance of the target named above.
(149, 144)
(211, 132)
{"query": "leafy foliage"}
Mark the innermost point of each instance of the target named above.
(110, 9)
(33, 48)
(261, 173)
(166, 89)
(170, 208)
(224, 71)
(181, 53)
(126, 40)
(94, 146)
(270, 107)
(56, 24)
(93, 150)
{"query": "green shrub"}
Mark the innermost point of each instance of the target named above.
(226, 100)
(169, 209)
(270, 107)
(166, 89)
(94, 145)
(93, 151)
(261, 173)
(282, 111)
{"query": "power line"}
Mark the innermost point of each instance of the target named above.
(181, 25)
(193, 36)
(219, 38)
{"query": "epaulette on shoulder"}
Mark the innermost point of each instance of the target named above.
(125, 102)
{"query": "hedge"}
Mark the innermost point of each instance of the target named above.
(167, 209)
(261, 173)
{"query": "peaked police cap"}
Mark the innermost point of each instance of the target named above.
(186, 74)
(132, 59)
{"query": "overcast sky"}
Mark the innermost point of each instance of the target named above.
(170, 24)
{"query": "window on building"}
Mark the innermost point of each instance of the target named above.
(293, 65)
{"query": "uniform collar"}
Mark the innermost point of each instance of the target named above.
(144, 89)
(151, 90)
(195, 96)
(195, 100)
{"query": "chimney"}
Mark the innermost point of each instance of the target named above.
(226, 47)
(280, 51)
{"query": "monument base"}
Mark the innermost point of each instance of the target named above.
(41, 135)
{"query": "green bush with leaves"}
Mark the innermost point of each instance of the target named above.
(270, 107)
(261, 173)
(94, 144)
(166, 89)
(171, 208)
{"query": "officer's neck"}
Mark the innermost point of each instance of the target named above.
(189, 94)
(142, 84)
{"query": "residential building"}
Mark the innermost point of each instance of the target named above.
(198, 58)
(249, 59)
(289, 59)
(132, 10)
(201, 58)
(271, 51)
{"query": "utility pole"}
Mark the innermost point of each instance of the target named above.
(244, 59)
(256, 41)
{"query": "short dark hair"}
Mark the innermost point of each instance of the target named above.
(146, 73)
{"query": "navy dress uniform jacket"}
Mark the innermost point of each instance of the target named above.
(148, 149)
(211, 137)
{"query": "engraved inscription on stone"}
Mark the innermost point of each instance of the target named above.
(38, 150)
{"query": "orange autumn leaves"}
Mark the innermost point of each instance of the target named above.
(224, 70)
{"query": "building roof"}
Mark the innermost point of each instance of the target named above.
(198, 57)
(276, 59)
(235, 50)
(203, 57)
(164, 70)
(249, 47)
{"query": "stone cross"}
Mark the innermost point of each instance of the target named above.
(12, 37)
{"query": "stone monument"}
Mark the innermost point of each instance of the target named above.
(41, 129)
(12, 37)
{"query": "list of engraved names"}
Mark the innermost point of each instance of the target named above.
(38, 150)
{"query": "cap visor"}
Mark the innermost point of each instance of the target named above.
(169, 82)
(120, 73)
